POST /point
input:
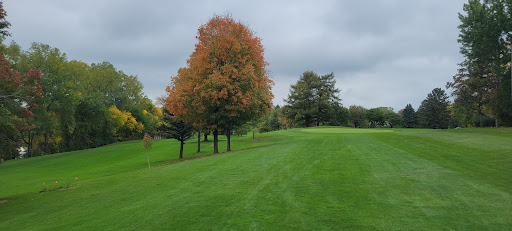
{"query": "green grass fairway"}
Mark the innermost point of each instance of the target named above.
(300, 179)
(328, 130)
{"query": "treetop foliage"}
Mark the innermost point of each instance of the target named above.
(79, 102)
(4, 24)
(225, 83)
(433, 112)
(409, 117)
(312, 99)
(482, 85)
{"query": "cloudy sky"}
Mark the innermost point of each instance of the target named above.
(382, 52)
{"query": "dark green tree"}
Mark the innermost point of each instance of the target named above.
(433, 112)
(176, 129)
(274, 120)
(376, 117)
(339, 116)
(326, 98)
(482, 83)
(4, 24)
(91, 126)
(242, 130)
(357, 116)
(409, 117)
(394, 120)
(311, 99)
(391, 118)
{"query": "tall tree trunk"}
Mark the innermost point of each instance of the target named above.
(46, 141)
(28, 142)
(215, 141)
(496, 122)
(318, 118)
(181, 150)
(205, 137)
(199, 141)
(228, 135)
(29, 149)
(253, 135)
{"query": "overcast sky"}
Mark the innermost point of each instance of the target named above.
(382, 52)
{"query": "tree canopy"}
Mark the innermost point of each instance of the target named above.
(409, 117)
(19, 93)
(75, 98)
(433, 112)
(174, 128)
(225, 83)
(482, 85)
(312, 99)
(357, 116)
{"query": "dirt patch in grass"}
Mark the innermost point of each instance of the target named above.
(62, 188)
(3, 201)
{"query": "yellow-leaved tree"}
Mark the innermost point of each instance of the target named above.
(123, 124)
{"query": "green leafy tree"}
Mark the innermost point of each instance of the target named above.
(409, 117)
(357, 115)
(254, 127)
(58, 101)
(243, 129)
(18, 96)
(339, 116)
(92, 126)
(433, 112)
(274, 119)
(114, 87)
(391, 118)
(375, 116)
(285, 117)
(482, 85)
(4, 24)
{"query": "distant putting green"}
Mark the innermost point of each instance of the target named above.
(298, 179)
(329, 130)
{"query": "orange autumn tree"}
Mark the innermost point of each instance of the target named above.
(225, 83)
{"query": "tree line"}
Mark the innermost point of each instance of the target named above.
(50, 104)
(81, 106)
(314, 101)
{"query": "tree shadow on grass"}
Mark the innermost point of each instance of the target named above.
(210, 155)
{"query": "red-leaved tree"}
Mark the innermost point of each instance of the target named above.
(17, 100)
(225, 83)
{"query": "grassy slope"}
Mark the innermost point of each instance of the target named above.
(326, 179)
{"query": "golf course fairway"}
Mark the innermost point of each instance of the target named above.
(325, 178)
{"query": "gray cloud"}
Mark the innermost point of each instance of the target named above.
(383, 53)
